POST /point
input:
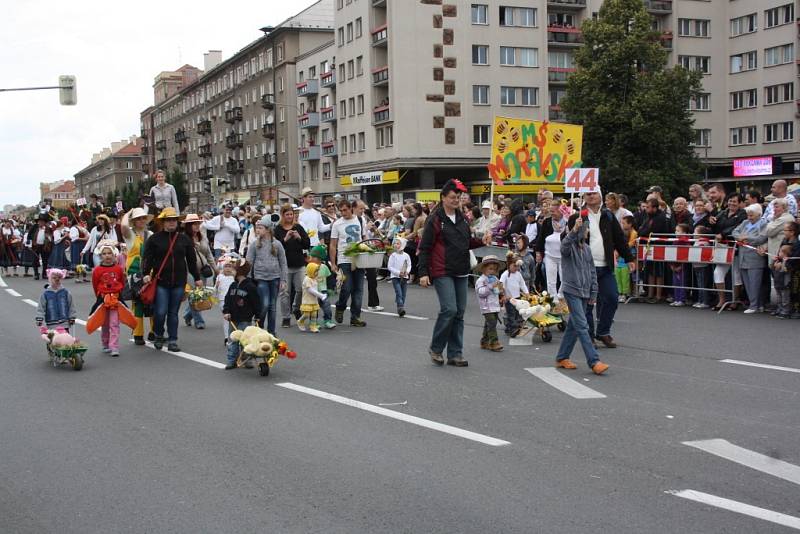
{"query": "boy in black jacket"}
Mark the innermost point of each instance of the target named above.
(242, 304)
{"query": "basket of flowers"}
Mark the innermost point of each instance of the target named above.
(201, 298)
(367, 254)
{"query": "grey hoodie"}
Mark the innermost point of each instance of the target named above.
(265, 265)
(578, 274)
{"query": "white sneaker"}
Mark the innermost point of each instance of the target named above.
(751, 310)
(701, 306)
(622, 299)
(677, 304)
(375, 308)
(106, 350)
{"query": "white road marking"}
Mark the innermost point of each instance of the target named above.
(31, 302)
(520, 341)
(390, 314)
(762, 365)
(754, 460)
(555, 378)
(80, 321)
(738, 507)
(191, 357)
(13, 293)
(447, 429)
(3, 282)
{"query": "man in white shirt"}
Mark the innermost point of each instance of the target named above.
(226, 228)
(780, 190)
(310, 218)
(345, 231)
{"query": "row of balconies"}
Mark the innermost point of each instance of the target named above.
(233, 115)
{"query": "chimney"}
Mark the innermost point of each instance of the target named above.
(211, 59)
(115, 146)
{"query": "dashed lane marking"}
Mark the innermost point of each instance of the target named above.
(390, 314)
(762, 365)
(555, 378)
(187, 356)
(754, 460)
(31, 302)
(13, 293)
(738, 507)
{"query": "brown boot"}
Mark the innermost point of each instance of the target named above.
(495, 346)
(485, 345)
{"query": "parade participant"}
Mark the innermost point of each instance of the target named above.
(371, 274)
(10, 239)
(309, 306)
(40, 241)
(752, 264)
(514, 287)
(242, 304)
(270, 271)
(103, 231)
(487, 288)
(444, 262)
(319, 255)
(58, 255)
(345, 231)
(548, 247)
(205, 264)
(580, 288)
(135, 232)
(295, 242)
(399, 266)
(226, 229)
(310, 218)
(78, 236)
(56, 308)
(528, 267)
(164, 194)
(173, 254)
(108, 281)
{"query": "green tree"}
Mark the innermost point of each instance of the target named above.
(130, 196)
(634, 110)
(178, 181)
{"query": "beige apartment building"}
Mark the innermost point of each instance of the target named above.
(419, 82)
(62, 193)
(236, 124)
(111, 169)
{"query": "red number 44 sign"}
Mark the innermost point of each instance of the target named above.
(580, 180)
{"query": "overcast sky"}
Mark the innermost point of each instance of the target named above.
(115, 49)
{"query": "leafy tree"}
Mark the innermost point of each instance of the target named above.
(178, 181)
(636, 125)
(130, 196)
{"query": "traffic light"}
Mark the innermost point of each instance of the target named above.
(67, 90)
(222, 184)
(207, 185)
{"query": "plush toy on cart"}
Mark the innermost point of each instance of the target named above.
(537, 311)
(63, 349)
(260, 347)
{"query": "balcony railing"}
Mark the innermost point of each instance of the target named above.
(234, 166)
(234, 140)
(309, 120)
(161, 145)
(564, 36)
(146, 168)
(268, 130)
(162, 163)
(204, 127)
(180, 136)
(658, 6)
(381, 114)
(666, 40)
(380, 35)
(329, 149)
(269, 160)
(328, 114)
(205, 173)
(268, 101)
(309, 153)
(567, 4)
(328, 79)
(204, 151)
(308, 88)
(559, 75)
(181, 158)
(380, 76)
(232, 115)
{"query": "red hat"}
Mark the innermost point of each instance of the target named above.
(64, 220)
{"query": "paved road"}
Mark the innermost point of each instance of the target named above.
(151, 442)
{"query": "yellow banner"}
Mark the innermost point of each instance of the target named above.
(526, 150)
(516, 189)
(370, 178)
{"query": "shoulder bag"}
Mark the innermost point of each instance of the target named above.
(147, 295)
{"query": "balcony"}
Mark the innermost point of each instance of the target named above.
(181, 158)
(381, 115)
(204, 151)
(309, 120)
(308, 88)
(329, 149)
(328, 114)
(234, 140)
(559, 75)
(380, 36)
(556, 114)
(204, 127)
(232, 115)
(269, 160)
(204, 173)
(268, 101)
(564, 36)
(666, 40)
(268, 130)
(380, 76)
(328, 79)
(309, 153)
(180, 136)
(234, 166)
(566, 4)
(161, 145)
(162, 164)
(146, 168)
(658, 7)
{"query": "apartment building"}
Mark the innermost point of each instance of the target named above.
(236, 125)
(63, 193)
(112, 169)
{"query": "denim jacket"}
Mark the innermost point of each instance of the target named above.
(56, 307)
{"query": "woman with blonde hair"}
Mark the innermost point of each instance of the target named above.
(268, 258)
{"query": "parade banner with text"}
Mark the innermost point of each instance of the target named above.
(525, 150)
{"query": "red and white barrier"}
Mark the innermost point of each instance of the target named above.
(688, 253)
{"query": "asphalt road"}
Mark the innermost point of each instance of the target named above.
(152, 442)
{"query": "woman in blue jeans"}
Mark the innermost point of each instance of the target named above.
(205, 262)
(444, 262)
(268, 258)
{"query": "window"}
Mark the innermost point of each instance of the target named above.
(360, 104)
(518, 16)
(352, 106)
(528, 57)
(389, 130)
(700, 103)
(776, 94)
(352, 143)
(778, 16)
(480, 14)
(744, 62)
(349, 31)
(480, 95)
(778, 55)
(529, 96)
(480, 134)
(700, 63)
(745, 135)
(702, 138)
(744, 99)
(508, 96)
(343, 144)
(341, 77)
(563, 60)
(360, 66)
(480, 54)
(359, 29)
(362, 142)
(745, 24)
(351, 69)
(507, 55)
(779, 131)
(129, 179)
(564, 20)
(379, 142)
(128, 164)
(693, 27)
(342, 109)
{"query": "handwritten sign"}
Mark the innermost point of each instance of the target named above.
(580, 180)
(81, 202)
(527, 150)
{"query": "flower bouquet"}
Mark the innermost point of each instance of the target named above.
(201, 298)
(367, 254)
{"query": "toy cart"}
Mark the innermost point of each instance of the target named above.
(543, 324)
(72, 356)
(264, 361)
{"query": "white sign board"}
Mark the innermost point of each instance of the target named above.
(580, 180)
(367, 178)
(81, 201)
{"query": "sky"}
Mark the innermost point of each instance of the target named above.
(115, 49)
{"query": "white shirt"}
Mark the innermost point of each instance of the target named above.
(311, 221)
(223, 284)
(40, 236)
(346, 231)
(399, 262)
(596, 239)
(531, 231)
(227, 230)
(513, 284)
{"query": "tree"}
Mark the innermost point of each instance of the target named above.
(178, 181)
(634, 110)
(130, 196)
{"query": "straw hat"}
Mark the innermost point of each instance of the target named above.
(103, 217)
(489, 260)
(135, 213)
(191, 218)
(168, 213)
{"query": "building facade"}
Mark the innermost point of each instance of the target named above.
(63, 193)
(112, 169)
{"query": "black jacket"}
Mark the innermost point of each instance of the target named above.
(242, 301)
(727, 223)
(613, 237)
(182, 260)
(654, 224)
(444, 249)
(295, 248)
(518, 222)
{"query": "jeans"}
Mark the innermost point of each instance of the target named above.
(294, 284)
(607, 302)
(400, 289)
(193, 314)
(325, 305)
(752, 284)
(372, 287)
(782, 281)
(701, 280)
(268, 291)
(233, 346)
(449, 328)
(166, 307)
(577, 329)
(353, 284)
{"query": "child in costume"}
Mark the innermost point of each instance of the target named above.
(487, 287)
(319, 255)
(514, 287)
(241, 306)
(225, 279)
(108, 281)
(56, 309)
(309, 306)
(399, 266)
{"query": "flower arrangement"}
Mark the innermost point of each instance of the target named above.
(372, 246)
(201, 298)
(258, 343)
(81, 269)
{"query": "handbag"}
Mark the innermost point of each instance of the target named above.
(206, 271)
(147, 295)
